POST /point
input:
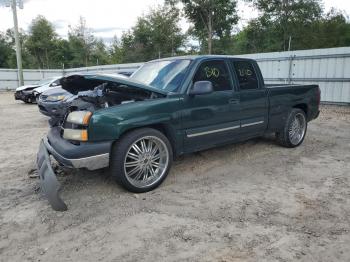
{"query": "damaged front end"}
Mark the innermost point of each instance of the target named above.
(26, 95)
(68, 140)
(48, 180)
(96, 91)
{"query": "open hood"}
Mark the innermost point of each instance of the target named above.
(96, 91)
(83, 82)
(26, 87)
(57, 91)
(44, 88)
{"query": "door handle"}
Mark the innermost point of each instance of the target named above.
(233, 101)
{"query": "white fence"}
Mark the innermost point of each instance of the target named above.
(9, 77)
(329, 68)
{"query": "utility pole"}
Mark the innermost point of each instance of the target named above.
(13, 4)
(289, 42)
(18, 44)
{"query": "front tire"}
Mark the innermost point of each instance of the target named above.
(294, 130)
(141, 160)
(27, 100)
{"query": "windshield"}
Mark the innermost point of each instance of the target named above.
(44, 81)
(166, 75)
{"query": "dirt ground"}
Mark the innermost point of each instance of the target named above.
(253, 201)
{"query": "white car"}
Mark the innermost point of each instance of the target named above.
(29, 93)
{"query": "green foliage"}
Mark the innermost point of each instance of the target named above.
(40, 42)
(331, 31)
(99, 53)
(28, 60)
(62, 55)
(82, 44)
(210, 19)
(116, 51)
(156, 34)
(301, 21)
(6, 51)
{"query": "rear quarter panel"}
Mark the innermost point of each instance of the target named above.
(282, 99)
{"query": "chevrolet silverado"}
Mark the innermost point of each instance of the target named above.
(167, 108)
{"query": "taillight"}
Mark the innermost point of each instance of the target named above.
(318, 95)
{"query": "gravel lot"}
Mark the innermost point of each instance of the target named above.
(253, 201)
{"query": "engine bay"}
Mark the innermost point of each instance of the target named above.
(94, 94)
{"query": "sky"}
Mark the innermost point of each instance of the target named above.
(108, 18)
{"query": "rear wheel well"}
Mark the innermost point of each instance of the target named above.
(302, 107)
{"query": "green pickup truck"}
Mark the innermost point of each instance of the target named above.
(167, 108)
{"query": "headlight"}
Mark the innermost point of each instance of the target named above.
(75, 134)
(54, 98)
(81, 118)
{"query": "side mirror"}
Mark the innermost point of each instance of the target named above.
(54, 84)
(201, 88)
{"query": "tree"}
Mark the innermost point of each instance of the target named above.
(333, 30)
(100, 53)
(6, 51)
(156, 34)
(116, 51)
(82, 42)
(286, 18)
(40, 43)
(62, 56)
(28, 61)
(300, 20)
(210, 18)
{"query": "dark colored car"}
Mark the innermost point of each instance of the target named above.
(53, 103)
(25, 93)
(167, 108)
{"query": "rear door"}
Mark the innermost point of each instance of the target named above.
(253, 97)
(211, 118)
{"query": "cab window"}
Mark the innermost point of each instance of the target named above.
(246, 75)
(216, 72)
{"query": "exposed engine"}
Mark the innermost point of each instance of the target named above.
(100, 94)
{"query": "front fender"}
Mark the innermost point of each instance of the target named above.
(110, 123)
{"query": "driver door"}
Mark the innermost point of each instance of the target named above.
(211, 119)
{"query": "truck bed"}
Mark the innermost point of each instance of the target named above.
(281, 97)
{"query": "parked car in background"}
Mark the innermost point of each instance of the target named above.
(167, 108)
(29, 93)
(53, 102)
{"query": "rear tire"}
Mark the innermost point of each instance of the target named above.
(294, 131)
(141, 160)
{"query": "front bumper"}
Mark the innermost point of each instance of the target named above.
(90, 155)
(48, 180)
(18, 95)
(25, 96)
(52, 109)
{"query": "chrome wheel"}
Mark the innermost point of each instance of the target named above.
(297, 129)
(146, 161)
